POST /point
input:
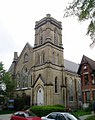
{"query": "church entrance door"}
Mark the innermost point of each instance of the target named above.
(40, 97)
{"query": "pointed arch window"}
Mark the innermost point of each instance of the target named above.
(56, 85)
(43, 57)
(57, 59)
(55, 36)
(70, 89)
(79, 90)
(40, 36)
(53, 57)
(18, 81)
(24, 77)
(38, 58)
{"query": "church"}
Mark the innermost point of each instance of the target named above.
(42, 72)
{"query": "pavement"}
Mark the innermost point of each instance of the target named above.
(85, 116)
(5, 117)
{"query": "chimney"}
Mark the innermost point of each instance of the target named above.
(15, 56)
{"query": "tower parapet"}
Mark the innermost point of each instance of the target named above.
(48, 29)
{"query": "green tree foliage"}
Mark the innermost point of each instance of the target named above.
(6, 78)
(84, 10)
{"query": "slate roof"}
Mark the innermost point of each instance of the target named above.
(87, 60)
(70, 66)
(91, 62)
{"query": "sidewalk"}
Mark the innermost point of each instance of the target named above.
(85, 116)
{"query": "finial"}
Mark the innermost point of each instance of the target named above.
(48, 15)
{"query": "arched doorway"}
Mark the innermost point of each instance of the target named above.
(40, 97)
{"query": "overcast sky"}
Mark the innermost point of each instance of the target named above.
(17, 23)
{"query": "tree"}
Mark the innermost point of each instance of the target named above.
(5, 77)
(84, 10)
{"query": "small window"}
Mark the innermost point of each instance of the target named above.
(85, 67)
(53, 57)
(56, 85)
(93, 80)
(87, 93)
(26, 57)
(86, 79)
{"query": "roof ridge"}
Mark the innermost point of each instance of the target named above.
(89, 58)
(89, 61)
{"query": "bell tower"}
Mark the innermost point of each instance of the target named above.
(48, 61)
(48, 39)
(48, 30)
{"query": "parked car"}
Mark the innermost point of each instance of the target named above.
(59, 116)
(24, 115)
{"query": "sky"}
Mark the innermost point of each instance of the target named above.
(17, 23)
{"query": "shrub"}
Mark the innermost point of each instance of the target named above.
(79, 113)
(44, 110)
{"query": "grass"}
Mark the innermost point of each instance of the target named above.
(79, 113)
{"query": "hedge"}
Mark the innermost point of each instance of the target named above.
(44, 110)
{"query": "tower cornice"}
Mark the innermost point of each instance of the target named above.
(46, 19)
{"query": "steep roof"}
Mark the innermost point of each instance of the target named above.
(70, 66)
(27, 45)
(87, 60)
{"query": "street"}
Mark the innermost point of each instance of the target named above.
(5, 117)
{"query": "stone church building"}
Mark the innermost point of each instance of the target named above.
(42, 72)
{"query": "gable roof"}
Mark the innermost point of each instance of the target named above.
(70, 66)
(26, 46)
(39, 76)
(89, 61)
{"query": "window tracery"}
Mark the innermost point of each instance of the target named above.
(24, 77)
